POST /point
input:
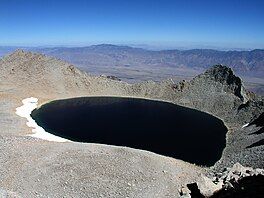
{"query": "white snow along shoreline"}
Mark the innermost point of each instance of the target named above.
(29, 104)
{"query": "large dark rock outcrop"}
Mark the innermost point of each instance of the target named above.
(232, 83)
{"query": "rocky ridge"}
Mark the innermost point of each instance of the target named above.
(227, 184)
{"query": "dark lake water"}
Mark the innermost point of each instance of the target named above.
(161, 127)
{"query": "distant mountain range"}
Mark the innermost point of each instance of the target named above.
(246, 63)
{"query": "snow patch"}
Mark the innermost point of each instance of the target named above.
(29, 104)
(245, 125)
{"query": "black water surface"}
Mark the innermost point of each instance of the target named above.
(161, 127)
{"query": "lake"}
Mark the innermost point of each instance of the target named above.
(156, 126)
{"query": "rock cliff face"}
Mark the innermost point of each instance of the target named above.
(230, 82)
(24, 74)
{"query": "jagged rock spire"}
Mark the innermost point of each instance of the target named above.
(226, 76)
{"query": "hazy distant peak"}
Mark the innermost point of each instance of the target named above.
(113, 47)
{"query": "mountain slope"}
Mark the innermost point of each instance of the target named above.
(244, 62)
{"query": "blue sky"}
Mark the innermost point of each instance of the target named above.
(225, 23)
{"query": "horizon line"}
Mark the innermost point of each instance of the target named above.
(139, 46)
